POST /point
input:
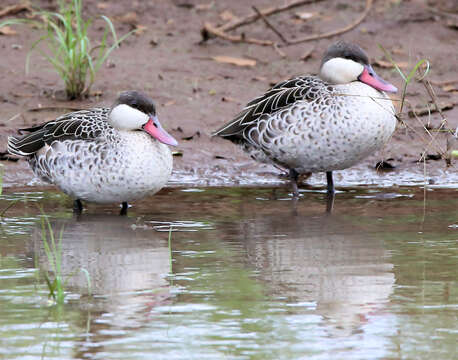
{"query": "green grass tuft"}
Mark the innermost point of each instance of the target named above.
(69, 48)
(53, 252)
(406, 77)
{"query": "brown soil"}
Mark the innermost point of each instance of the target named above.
(195, 94)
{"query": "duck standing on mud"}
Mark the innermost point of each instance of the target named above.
(101, 155)
(318, 123)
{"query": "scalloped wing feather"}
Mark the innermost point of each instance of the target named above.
(79, 125)
(283, 94)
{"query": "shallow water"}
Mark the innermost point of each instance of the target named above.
(250, 275)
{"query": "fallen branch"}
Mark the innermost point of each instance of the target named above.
(336, 32)
(210, 29)
(266, 12)
(269, 25)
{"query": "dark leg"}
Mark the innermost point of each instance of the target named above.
(293, 175)
(331, 189)
(77, 207)
(330, 196)
(124, 208)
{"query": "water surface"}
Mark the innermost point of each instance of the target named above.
(249, 274)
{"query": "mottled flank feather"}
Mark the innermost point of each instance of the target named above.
(307, 125)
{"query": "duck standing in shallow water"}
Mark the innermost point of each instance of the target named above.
(102, 155)
(318, 123)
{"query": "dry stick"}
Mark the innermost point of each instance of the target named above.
(220, 32)
(267, 22)
(209, 28)
(254, 17)
(336, 32)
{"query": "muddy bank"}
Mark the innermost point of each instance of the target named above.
(195, 94)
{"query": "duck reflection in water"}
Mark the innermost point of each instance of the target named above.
(324, 260)
(127, 265)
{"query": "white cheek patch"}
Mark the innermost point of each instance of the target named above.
(341, 71)
(124, 117)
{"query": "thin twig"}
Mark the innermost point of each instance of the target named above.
(338, 31)
(267, 22)
(433, 97)
(210, 29)
(266, 12)
(433, 140)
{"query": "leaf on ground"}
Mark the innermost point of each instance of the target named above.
(6, 30)
(388, 65)
(234, 61)
(15, 9)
